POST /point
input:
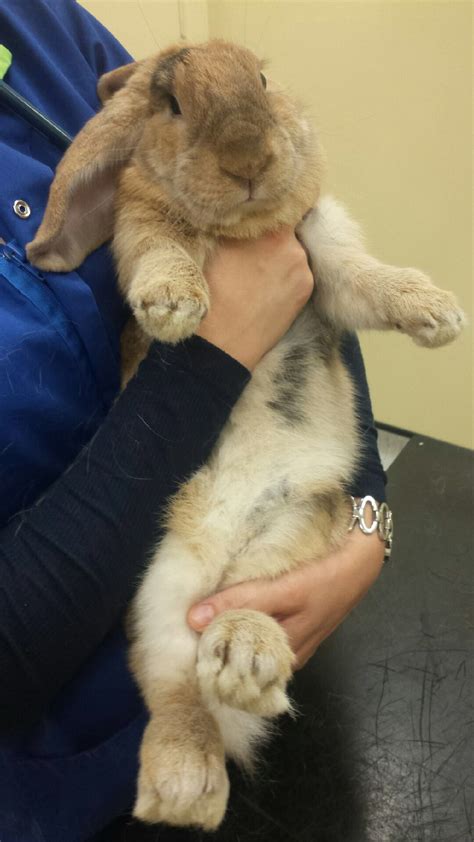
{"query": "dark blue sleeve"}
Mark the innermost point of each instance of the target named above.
(70, 564)
(371, 477)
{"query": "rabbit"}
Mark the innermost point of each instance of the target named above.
(192, 145)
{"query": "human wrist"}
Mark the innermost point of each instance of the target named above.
(371, 479)
(355, 567)
(349, 572)
(368, 548)
(373, 517)
(234, 346)
(206, 361)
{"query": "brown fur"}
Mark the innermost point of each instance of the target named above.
(190, 747)
(178, 193)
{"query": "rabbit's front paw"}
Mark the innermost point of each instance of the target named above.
(245, 661)
(168, 316)
(431, 316)
(183, 780)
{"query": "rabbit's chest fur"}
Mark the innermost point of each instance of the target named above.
(268, 497)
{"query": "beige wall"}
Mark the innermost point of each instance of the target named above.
(389, 86)
(144, 26)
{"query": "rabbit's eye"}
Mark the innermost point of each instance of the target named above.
(264, 80)
(174, 105)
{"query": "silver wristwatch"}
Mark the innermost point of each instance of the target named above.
(382, 520)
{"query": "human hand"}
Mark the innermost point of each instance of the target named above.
(309, 602)
(257, 289)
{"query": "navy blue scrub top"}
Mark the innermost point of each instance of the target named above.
(60, 333)
(59, 372)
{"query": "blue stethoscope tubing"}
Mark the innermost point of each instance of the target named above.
(21, 106)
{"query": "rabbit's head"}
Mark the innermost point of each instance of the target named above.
(232, 153)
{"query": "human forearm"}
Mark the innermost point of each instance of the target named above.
(332, 588)
(69, 565)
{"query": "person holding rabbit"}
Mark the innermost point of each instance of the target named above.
(84, 474)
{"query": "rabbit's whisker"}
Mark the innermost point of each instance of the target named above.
(148, 25)
(98, 205)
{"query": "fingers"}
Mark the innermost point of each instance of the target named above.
(261, 595)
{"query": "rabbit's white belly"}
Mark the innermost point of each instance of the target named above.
(290, 442)
(269, 498)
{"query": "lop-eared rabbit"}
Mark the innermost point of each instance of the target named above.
(192, 145)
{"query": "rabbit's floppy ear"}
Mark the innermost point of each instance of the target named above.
(111, 82)
(79, 213)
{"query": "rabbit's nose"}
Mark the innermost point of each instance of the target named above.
(246, 169)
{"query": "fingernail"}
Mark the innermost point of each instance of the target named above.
(201, 614)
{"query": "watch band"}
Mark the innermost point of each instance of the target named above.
(382, 520)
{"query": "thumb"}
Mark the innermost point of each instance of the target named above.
(246, 595)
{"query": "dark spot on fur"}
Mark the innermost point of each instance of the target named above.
(325, 340)
(325, 503)
(271, 497)
(262, 514)
(221, 651)
(289, 383)
(163, 77)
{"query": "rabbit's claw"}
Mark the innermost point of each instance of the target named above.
(245, 661)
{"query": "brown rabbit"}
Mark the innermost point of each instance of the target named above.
(192, 145)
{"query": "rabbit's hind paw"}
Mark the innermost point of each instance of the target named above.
(182, 781)
(245, 661)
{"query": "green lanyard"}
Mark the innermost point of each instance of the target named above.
(21, 106)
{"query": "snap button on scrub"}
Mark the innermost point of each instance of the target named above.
(21, 208)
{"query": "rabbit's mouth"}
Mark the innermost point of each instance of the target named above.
(251, 198)
(230, 204)
(256, 192)
(254, 197)
(251, 189)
